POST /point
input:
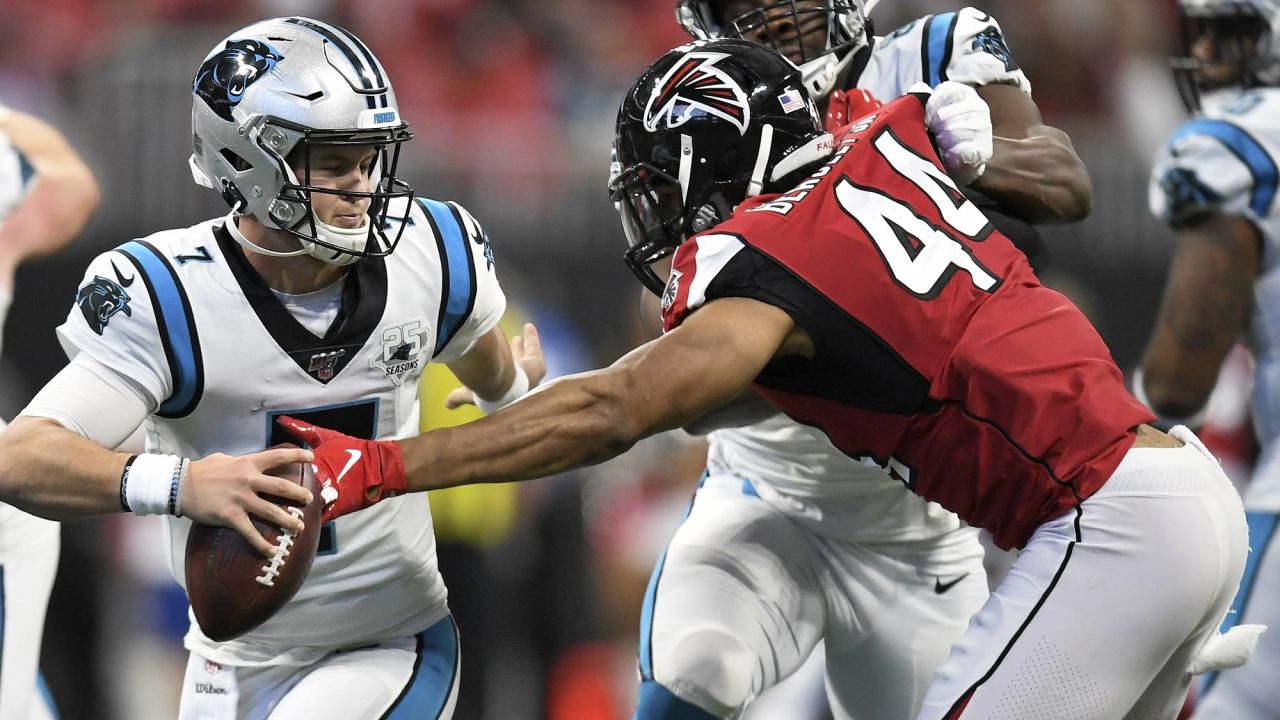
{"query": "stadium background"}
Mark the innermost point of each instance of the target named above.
(512, 104)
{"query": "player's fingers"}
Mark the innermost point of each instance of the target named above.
(282, 488)
(245, 527)
(305, 432)
(275, 457)
(459, 397)
(273, 514)
(517, 346)
(532, 341)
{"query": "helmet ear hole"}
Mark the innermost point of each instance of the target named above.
(234, 160)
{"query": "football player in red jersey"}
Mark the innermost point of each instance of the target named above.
(846, 280)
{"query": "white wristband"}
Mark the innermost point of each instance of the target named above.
(519, 386)
(152, 484)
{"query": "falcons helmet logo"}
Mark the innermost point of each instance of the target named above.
(696, 86)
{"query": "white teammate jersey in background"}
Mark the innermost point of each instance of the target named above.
(186, 319)
(795, 467)
(1225, 161)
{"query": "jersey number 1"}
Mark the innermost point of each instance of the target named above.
(921, 255)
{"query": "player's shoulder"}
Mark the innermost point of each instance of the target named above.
(1223, 161)
(435, 231)
(966, 45)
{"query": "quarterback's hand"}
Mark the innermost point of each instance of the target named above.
(526, 350)
(225, 489)
(961, 124)
(353, 473)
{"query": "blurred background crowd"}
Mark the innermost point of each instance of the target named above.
(512, 104)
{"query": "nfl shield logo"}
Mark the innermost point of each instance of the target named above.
(323, 364)
(212, 667)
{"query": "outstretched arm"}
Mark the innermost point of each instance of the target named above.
(1034, 170)
(577, 420)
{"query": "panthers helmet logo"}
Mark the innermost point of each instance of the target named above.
(1185, 193)
(223, 78)
(100, 299)
(993, 43)
(695, 86)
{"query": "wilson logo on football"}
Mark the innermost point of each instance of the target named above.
(695, 86)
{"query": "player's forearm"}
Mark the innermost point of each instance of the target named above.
(49, 471)
(576, 421)
(1040, 179)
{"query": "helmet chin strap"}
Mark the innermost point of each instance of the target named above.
(756, 186)
(234, 229)
(340, 237)
(329, 233)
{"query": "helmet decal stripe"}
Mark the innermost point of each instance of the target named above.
(378, 73)
(362, 70)
(696, 86)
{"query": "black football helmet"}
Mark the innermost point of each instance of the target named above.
(707, 126)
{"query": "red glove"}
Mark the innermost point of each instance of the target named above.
(846, 106)
(353, 473)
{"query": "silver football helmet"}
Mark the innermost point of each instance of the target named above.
(1243, 32)
(781, 25)
(263, 99)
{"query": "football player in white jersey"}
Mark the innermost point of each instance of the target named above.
(1214, 183)
(899, 577)
(46, 196)
(293, 303)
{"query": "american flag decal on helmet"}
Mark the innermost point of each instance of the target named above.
(695, 85)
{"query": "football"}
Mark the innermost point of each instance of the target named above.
(231, 586)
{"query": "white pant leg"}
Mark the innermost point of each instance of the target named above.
(415, 677)
(734, 604)
(1101, 613)
(1252, 692)
(28, 562)
(891, 628)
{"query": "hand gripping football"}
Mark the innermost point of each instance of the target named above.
(232, 587)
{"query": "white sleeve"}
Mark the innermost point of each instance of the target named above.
(93, 400)
(474, 300)
(113, 321)
(968, 46)
(1213, 166)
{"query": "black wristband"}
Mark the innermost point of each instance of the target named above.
(124, 483)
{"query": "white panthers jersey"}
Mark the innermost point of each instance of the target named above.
(1225, 161)
(796, 467)
(184, 315)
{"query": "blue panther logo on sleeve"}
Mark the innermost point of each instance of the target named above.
(992, 42)
(100, 299)
(1184, 193)
(223, 78)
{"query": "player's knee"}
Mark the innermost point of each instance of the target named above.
(712, 668)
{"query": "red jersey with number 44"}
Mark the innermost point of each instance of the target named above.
(938, 354)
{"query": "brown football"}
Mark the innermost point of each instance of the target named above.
(231, 586)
